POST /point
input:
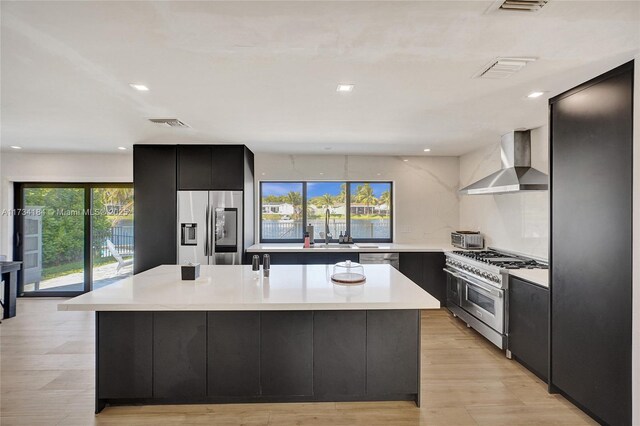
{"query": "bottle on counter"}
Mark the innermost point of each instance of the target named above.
(266, 265)
(310, 232)
(255, 264)
(341, 238)
(307, 240)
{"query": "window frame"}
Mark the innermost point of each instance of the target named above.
(304, 212)
(18, 231)
(348, 210)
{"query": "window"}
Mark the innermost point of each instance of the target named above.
(360, 209)
(282, 211)
(323, 196)
(370, 210)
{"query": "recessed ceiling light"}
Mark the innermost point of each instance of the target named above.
(122, 148)
(16, 147)
(405, 160)
(427, 150)
(263, 173)
(321, 173)
(345, 87)
(379, 174)
(535, 94)
(139, 87)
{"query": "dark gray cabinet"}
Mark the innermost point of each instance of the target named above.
(179, 354)
(194, 167)
(529, 325)
(286, 354)
(227, 167)
(124, 354)
(412, 265)
(211, 167)
(154, 189)
(591, 149)
(426, 270)
(247, 356)
(393, 339)
(233, 353)
(339, 366)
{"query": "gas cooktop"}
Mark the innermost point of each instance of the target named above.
(502, 260)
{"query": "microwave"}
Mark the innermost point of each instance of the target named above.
(467, 239)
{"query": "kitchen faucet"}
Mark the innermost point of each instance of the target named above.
(327, 234)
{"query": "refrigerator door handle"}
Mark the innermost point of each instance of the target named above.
(206, 230)
(214, 232)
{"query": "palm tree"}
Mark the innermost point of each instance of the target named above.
(295, 199)
(316, 201)
(326, 200)
(385, 198)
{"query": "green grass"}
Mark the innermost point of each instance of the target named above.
(72, 267)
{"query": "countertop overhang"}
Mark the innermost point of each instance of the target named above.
(238, 288)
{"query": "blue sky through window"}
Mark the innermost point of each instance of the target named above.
(280, 188)
(316, 189)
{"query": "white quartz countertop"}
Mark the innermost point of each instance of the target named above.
(536, 276)
(238, 288)
(359, 248)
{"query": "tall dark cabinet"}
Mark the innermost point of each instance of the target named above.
(159, 171)
(154, 191)
(591, 147)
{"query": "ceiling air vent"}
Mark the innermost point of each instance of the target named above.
(171, 122)
(523, 5)
(503, 67)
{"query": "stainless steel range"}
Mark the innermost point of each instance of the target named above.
(477, 293)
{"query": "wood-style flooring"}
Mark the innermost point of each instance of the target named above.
(47, 378)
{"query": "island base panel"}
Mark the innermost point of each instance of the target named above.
(334, 356)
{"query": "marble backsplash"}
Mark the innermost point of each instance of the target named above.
(425, 187)
(517, 222)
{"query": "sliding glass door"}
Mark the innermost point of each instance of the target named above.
(53, 239)
(72, 238)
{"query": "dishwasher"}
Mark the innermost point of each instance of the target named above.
(392, 259)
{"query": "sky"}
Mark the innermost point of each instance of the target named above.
(316, 189)
(280, 188)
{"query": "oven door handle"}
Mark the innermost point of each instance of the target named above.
(490, 291)
(450, 272)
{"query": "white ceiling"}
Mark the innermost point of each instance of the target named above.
(265, 73)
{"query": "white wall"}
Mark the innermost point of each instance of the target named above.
(425, 188)
(25, 167)
(517, 222)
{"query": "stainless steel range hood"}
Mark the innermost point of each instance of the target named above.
(516, 173)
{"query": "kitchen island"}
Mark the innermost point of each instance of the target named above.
(233, 335)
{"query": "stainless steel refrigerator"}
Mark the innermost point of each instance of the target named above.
(210, 227)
